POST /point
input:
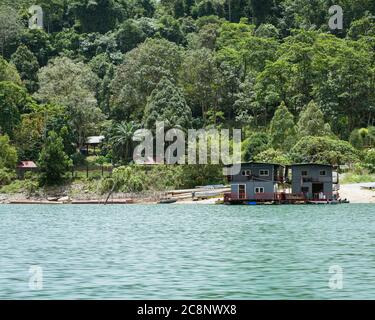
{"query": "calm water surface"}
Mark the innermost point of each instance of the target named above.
(187, 251)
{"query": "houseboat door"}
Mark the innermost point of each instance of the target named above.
(242, 191)
(317, 189)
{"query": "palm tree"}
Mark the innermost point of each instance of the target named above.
(122, 139)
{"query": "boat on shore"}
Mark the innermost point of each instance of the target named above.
(167, 201)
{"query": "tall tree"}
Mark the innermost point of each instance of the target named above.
(53, 162)
(95, 15)
(311, 122)
(167, 103)
(8, 72)
(13, 101)
(10, 27)
(8, 154)
(122, 140)
(27, 66)
(282, 132)
(139, 74)
(70, 84)
(201, 81)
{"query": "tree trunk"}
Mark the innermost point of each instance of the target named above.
(110, 193)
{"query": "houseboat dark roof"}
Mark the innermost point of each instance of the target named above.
(261, 163)
(310, 164)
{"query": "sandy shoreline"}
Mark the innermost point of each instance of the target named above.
(352, 192)
(355, 194)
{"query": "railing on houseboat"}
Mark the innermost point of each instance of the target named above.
(282, 196)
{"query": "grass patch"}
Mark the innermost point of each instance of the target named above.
(351, 177)
(12, 188)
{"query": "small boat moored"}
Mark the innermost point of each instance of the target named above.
(167, 201)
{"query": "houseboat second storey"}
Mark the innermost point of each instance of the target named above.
(255, 182)
(317, 182)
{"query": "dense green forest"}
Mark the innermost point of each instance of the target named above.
(299, 91)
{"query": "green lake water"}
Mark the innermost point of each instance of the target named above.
(187, 251)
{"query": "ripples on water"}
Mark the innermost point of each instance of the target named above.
(187, 252)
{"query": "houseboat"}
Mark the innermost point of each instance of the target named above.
(317, 182)
(256, 182)
(261, 183)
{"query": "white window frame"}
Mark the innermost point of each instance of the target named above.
(238, 192)
(262, 173)
(258, 190)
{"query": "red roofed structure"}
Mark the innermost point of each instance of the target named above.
(26, 166)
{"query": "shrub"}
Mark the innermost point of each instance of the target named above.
(273, 156)
(324, 150)
(6, 176)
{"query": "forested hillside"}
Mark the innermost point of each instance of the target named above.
(299, 91)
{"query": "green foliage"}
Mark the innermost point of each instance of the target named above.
(8, 72)
(273, 156)
(121, 139)
(138, 76)
(8, 154)
(6, 176)
(369, 160)
(136, 178)
(167, 103)
(129, 35)
(323, 150)
(53, 162)
(29, 136)
(10, 28)
(201, 175)
(363, 138)
(311, 122)
(27, 66)
(352, 177)
(201, 80)
(364, 27)
(39, 43)
(14, 187)
(13, 102)
(267, 31)
(78, 159)
(95, 16)
(255, 144)
(106, 67)
(282, 131)
(70, 84)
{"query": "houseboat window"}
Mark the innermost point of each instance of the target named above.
(264, 172)
(248, 172)
(244, 173)
(304, 173)
(259, 190)
(323, 173)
